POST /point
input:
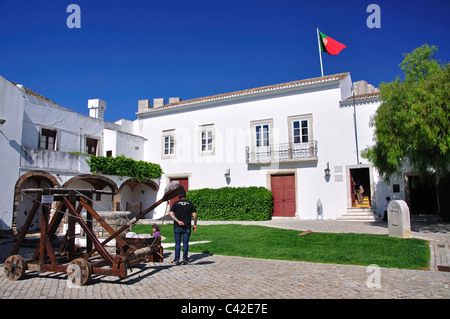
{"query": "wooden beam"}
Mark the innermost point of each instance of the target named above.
(102, 251)
(102, 222)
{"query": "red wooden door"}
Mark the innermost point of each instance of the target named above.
(283, 189)
(184, 182)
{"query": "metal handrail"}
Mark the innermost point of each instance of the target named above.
(284, 152)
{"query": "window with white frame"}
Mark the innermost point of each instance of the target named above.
(300, 128)
(207, 139)
(261, 133)
(168, 144)
(260, 149)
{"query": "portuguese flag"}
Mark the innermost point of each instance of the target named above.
(329, 45)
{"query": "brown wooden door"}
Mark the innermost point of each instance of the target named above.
(283, 189)
(184, 182)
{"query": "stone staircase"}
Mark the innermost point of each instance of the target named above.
(362, 212)
(364, 204)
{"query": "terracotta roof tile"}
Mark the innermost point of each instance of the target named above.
(363, 96)
(43, 98)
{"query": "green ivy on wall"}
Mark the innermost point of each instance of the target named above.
(123, 166)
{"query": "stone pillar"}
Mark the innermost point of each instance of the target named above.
(398, 219)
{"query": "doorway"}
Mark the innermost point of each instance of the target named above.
(283, 190)
(360, 176)
(422, 195)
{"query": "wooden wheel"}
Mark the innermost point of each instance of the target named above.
(79, 272)
(15, 267)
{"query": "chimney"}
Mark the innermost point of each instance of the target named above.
(158, 102)
(174, 100)
(143, 105)
(97, 108)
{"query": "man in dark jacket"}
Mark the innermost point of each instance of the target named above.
(181, 212)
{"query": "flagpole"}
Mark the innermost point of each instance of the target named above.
(356, 126)
(320, 51)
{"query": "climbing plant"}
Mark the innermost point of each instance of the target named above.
(123, 166)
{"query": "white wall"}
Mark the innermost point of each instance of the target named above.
(130, 146)
(71, 127)
(11, 109)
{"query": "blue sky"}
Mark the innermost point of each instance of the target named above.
(131, 50)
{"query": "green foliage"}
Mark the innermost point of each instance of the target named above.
(228, 203)
(123, 166)
(412, 125)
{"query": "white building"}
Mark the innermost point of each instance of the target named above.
(282, 137)
(42, 145)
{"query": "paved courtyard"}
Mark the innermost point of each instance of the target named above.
(222, 277)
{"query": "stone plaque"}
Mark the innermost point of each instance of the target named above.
(398, 219)
(338, 169)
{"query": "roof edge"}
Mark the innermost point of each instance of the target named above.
(273, 87)
(362, 98)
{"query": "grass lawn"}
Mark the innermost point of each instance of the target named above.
(273, 243)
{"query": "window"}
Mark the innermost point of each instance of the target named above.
(207, 140)
(300, 133)
(91, 146)
(168, 144)
(262, 135)
(300, 129)
(261, 143)
(207, 136)
(47, 139)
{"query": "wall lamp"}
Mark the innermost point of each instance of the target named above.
(2, 121)
(227, 173)
(327, 170)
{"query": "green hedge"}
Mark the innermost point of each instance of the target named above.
(229, 203)
(123, 166)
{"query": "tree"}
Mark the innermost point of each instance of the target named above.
(412, 125)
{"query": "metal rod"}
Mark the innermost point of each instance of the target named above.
(356, 129)
(320, 51)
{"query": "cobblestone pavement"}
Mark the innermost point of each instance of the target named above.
(222, 277)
